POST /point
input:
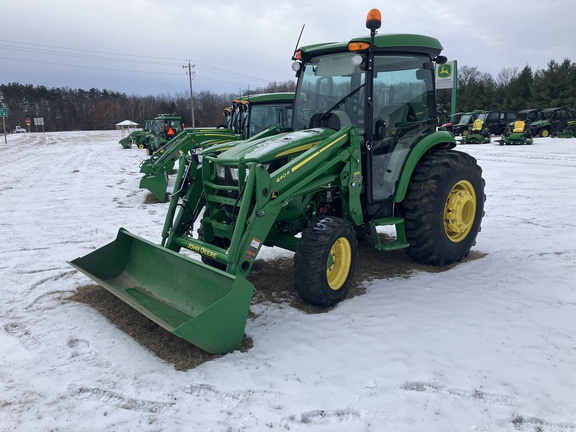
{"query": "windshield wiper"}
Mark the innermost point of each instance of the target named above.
(341, 101)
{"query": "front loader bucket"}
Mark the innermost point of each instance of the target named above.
(156, 183)
(201, 304)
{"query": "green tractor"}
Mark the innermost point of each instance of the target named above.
(250, 117)
(364, 153)
(163, 128)
(142, 137)
(137, 137)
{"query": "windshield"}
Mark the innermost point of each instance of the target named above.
(266, 115)
(335, 84)
(326, 82)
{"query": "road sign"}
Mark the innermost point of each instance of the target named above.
(3, 112)
(39, 121)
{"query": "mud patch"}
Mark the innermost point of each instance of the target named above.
(151, 199)
(172, 349)
(273, 280)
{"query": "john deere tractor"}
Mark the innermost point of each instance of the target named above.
(163, 128)
(251, 116)
(138, 136)
(364, 153)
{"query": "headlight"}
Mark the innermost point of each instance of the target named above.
(221, 172)
(232, 173)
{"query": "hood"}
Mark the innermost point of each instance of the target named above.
(278, 146)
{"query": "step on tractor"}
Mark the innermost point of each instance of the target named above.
(249, 117)
(364, 155)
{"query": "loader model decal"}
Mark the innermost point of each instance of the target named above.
(282, 176)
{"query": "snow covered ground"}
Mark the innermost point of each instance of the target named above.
(488, 345)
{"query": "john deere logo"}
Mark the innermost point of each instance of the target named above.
(445, 71)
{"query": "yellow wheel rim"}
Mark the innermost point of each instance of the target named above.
(545, 133)
(460, 211)
(338, 265)
(464, 132)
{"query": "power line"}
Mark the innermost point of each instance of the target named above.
(204, 77)
(117, 57)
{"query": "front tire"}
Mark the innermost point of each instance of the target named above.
(443, 208)
(325, 261)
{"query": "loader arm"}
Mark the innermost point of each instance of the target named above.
(260, 197)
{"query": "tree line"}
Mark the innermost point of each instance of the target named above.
(513, 89)
(76, 109)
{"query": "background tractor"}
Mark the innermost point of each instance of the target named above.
(252, 116)
(364, 153)
(138, 136)
(162, 129)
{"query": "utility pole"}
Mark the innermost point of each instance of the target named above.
(191, 74)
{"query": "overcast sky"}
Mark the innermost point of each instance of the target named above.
(140, 46)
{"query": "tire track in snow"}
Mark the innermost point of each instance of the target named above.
(116, 399)
(475, 395)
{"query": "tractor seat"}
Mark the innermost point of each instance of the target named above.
(519, 126)
(336, 120)
(477, 125)
(392, 115)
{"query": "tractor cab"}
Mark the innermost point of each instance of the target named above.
(384, 88)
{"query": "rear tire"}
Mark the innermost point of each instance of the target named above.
(443, 207)
(325, 261)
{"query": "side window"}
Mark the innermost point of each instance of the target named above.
(493, 116)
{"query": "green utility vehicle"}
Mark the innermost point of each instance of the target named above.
(364, 153)
(553, 121)
(464, 123)
(252, 116)
(528, 116)
(453, 120)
